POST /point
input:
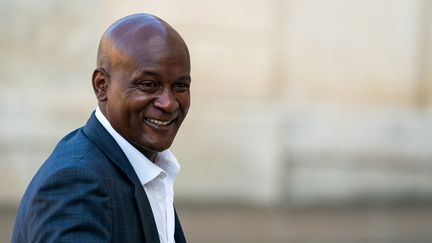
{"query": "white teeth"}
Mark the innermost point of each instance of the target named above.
(158, 122)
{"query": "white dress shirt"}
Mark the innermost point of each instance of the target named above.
(157, 179)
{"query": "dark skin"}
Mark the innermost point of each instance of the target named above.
(142, 81)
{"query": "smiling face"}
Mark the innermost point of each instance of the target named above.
(145, 93)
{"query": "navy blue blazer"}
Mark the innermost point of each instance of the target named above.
(87, 191)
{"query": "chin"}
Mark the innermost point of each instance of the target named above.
(158, 146)
(161, 148)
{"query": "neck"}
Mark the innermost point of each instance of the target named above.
(151, 155)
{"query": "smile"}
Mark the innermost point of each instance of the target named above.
(158, 122)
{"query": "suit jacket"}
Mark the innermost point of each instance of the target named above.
(87, 191)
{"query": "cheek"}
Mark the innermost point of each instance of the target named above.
(184, 101)
(137, 101)
(139, 97)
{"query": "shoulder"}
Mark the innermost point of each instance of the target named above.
(67, 193)
(75, 150)
(75, 162)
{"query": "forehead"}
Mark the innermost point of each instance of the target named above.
(152, 47)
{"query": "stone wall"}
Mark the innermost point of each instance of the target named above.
(300, 102)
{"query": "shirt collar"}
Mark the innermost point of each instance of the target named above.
(146, 170)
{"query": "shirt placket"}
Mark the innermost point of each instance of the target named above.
(161, 198)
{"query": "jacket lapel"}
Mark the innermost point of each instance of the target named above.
(178, 231)
(100, 136)
(147, 219)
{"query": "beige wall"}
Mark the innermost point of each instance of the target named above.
(293, 101)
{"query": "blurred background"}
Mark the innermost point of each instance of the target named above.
(311, 120)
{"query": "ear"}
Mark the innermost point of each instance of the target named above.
(100, 81)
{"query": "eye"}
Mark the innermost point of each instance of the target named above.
(147, 85)
(181, 87)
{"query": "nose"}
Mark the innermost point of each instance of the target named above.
(166, 101)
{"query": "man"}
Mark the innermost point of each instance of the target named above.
(112, 180)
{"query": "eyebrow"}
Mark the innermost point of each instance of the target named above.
(138, 74)
(145, 73)
(186, 77)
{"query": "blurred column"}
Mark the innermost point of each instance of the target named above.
(353, 130)
(424, 94)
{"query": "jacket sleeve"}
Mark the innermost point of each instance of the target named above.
(71, 205)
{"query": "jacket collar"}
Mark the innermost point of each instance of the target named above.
(145, 169)
(97, 133)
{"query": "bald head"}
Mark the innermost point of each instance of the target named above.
(132, 34)
(142, 81)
